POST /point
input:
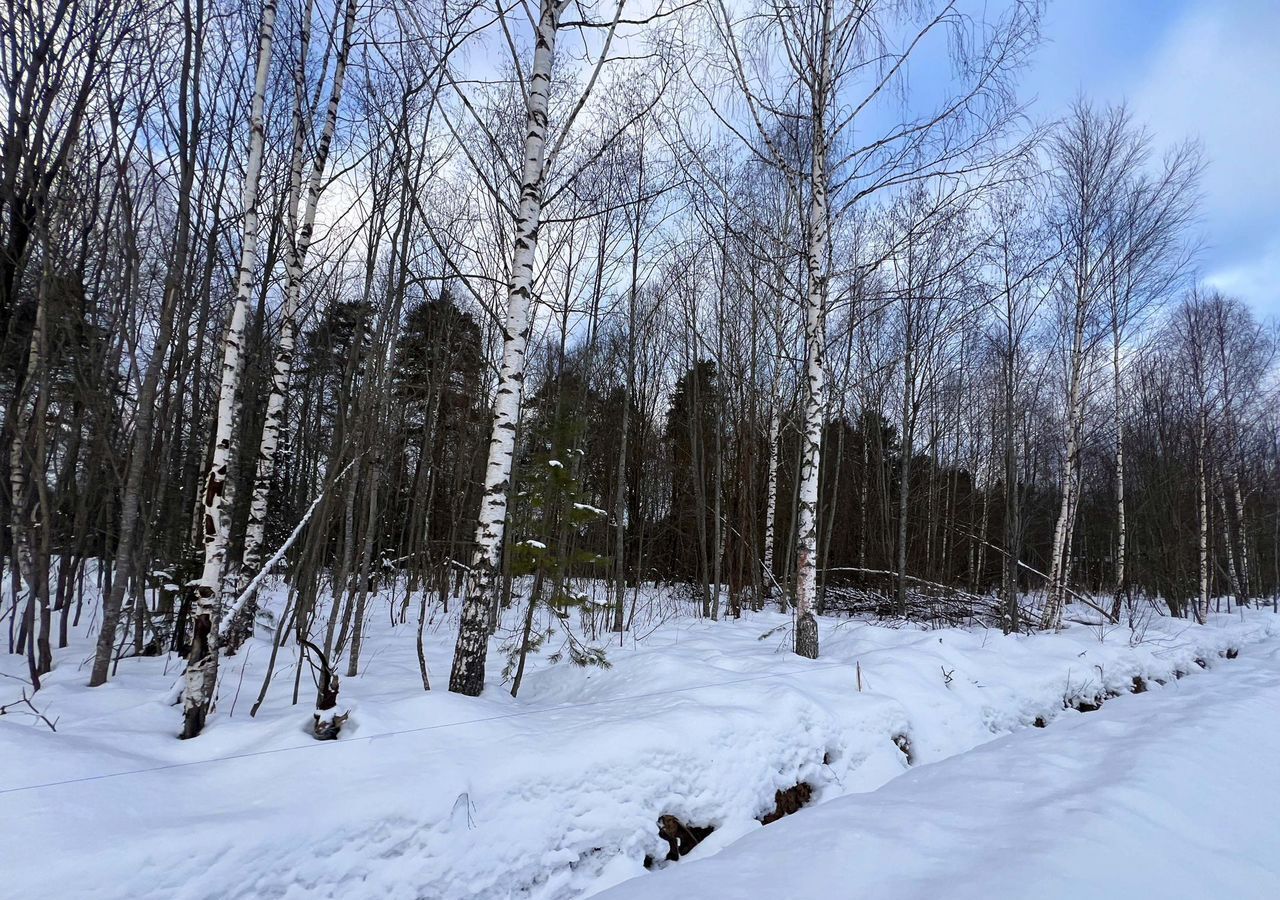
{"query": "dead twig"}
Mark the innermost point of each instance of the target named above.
(26, 701)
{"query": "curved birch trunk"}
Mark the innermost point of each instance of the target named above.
(202, 661)
(467, 674)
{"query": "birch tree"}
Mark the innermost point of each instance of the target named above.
(1240, 352)
(540, 149)
(932, 271)
(58, 60)
(1098, 156)
(841, 61)
(298, 243)
(1146, 259)
(200, 679)
(1193, 331)
(1018, 265)
(190, 124)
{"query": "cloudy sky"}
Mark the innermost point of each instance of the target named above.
(1188, 68)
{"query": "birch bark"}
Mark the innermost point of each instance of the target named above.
(771, 496)
(1233, 572)
(1202, 599)
(467, 674)
(1122, 534)
(202, 661)
(815, 341)
(295, 260)
(1061, 560)
(25, 518)
(775, 431)
(620, 498)
(1242, 537)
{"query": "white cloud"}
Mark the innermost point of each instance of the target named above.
(1216, 76)
(1256, 279)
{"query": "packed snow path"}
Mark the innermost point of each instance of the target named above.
(1174, 793)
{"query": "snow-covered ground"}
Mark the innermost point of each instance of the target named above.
(1172, 794)
(557, 794)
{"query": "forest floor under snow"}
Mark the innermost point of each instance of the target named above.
(927, 779)
(1172, 794)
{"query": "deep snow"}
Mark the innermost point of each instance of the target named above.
(1171, 794)
(556, 794)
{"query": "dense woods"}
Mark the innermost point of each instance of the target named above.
(529, 304)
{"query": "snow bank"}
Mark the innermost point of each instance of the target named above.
(1153, 796)
(554, 795)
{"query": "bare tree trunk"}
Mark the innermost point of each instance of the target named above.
(1242, 534)
(984, 519)
(815, 341)
(717, 531)
(1060, 567)
(30, 524)
(202, 661)
(771, 499)
(296, 253)
(1202, 485)
(1122, 534)
(620, 505)
(1012, 509)
(467, 675)
(904, 478)
(1233, 572)
(144, 417)
(864, 493)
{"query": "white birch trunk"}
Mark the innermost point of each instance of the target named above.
(620, 508)
(31, 563)
(1242, 536)
(984, 521)
(1233, 573)
(906, 426)
(202, 663)
(815, 338)
(467, 675)
(775, 433)
(771, 499)
(1060, 566)
(1122, 534)
(1202, 601)
(295, 259)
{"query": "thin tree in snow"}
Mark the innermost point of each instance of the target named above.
(838, 61)
(298, 242)
(467, 674)
(200, 680)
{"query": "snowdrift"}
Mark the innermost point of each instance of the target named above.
(556, 794)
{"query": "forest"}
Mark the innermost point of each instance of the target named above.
(504, 448)
(527, 306)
